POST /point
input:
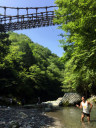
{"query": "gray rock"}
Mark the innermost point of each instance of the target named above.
(70, 99)
(14, 124)
(28, 127)
(48, 109)
(23, 115)
(2, 122)
(52, 104)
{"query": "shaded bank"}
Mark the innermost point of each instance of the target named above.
(26, 118)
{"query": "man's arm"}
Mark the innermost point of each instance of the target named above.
(90, 106)
(79, 106)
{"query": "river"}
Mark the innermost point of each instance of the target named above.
(70, 117)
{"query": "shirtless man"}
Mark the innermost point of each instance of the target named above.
(86, 110)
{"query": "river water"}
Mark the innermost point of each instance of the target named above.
(70, 117)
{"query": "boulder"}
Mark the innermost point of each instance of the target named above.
(70, 99)
(14, 124)
(92, 99)
(23, 115)
(50, 105)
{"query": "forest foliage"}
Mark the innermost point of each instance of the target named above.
(28, 70)
(78, 20)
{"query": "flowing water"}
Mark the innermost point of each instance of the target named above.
(70, 117)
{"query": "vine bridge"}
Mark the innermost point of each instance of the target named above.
(25, 18)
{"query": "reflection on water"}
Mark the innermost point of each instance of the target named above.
(70, 117)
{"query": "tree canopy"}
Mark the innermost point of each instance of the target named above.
(28, 70)
(77, 19)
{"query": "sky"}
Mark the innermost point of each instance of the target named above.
(45, 36)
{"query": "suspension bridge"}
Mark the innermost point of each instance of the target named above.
(32, 17)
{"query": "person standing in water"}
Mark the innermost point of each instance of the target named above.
(86, 110)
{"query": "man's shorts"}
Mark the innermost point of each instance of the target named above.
(86, 114)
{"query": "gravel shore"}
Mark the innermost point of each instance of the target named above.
(12, 117)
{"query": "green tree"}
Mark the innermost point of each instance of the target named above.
(28, 70)
(77, 19)
(4, 50)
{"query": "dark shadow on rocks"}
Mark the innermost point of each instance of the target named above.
(23, 118)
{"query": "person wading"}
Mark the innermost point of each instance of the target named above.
(86, 110)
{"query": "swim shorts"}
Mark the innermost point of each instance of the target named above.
(86, 114)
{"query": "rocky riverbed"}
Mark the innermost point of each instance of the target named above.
(18, 117)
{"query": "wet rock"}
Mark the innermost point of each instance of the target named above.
(23, 115)
(24, 118)
(48, 109)
(13, 124)
(28, 127)
(2, 124)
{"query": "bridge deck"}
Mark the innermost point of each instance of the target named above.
(28, 20)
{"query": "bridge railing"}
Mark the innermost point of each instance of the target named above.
(21, 18)
(35, 16)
